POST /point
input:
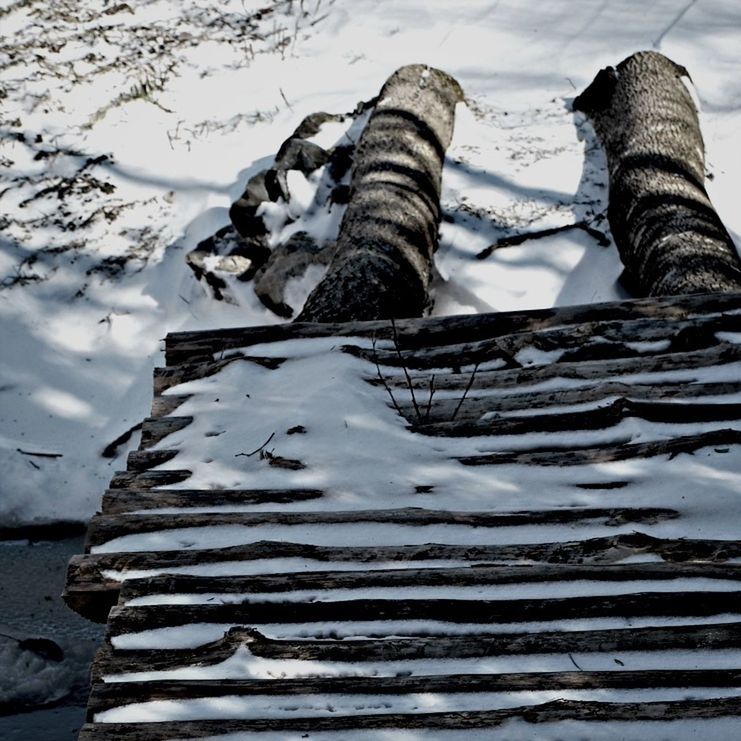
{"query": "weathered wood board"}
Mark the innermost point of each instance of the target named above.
(562, 552)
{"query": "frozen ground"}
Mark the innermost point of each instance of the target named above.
(129, 129)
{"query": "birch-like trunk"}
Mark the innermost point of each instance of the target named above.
(670, 238)
(389, 233)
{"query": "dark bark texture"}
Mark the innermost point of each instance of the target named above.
(389, 233)
(670, 238)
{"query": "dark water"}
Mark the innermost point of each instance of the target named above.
(58, 724)
(32, 577)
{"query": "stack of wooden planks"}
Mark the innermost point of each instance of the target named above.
(293, 609)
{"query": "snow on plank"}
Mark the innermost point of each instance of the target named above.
(183, 347)
(286, 522)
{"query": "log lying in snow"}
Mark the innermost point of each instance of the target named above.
(108, 695)
(388, 235)
(103, 528)
(669, 236)
(484, 611)
(412, 334)
(547, 712)
(718, 636)
(92, 588)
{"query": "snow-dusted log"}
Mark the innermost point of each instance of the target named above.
(389, 232)
(670, 238)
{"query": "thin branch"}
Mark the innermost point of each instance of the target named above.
(285, 100)
(465, 393)
(515, 239)
(574, 663)
(406, 371)
(39, 454)
(256, 450)
(381, 376)
(429, 400)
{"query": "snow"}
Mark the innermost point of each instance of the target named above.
(198, 634)
(719, 729)
(128, 130)
(230, 706)
(158, 132)
(242, 664)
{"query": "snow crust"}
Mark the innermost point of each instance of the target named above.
(325, 705)
(158, 138)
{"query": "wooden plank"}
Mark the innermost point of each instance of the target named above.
(588, 370)
(475, 405)
(92, 591)
(139, 480)
(580, 342)
(576, 456)
(716, 636)
(439, 576)
(699, 603)
(180, 346)
(119, 501)
(550, 712)
(156, 429)
(166, 378)
(590, 551)
(143, 460)
(599, 418)
(103, 528)
(108, 695)
(162, 405)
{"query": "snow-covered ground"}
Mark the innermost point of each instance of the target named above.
(128, 129)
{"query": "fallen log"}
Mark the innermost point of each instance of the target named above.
(670, 238)
(388, 235)
(547, 712)
(92, 587)
(110, 661)
(658, 604)
(108, 695)
(103, 528)
(182, 348)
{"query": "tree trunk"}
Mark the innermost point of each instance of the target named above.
(670, 238)
(389, 232)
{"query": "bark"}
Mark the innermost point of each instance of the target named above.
(104, 528)
(91, 590)
(183, 348)
(458, 720)
(660, 638)
(123, 620)
(108, 695)
(574, 456)
(389, 232)
(670, 238)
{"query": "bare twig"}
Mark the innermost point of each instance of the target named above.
(285, 100)
(406, 371)
(465, 393)
(381, 377)
(256, 450)
(574, 663)
(515, 239)
(39, 455)
(429, 399)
